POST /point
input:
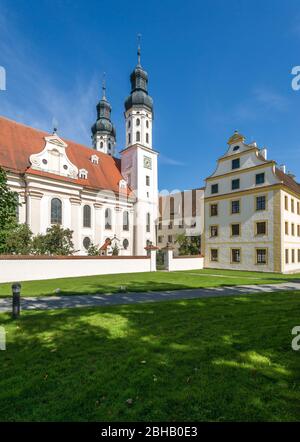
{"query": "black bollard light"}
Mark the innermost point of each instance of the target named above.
(16, 293)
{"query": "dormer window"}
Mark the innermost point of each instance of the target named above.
(235, 164)
(235, 148)
(83, 174)
(122, 184)
(94, 159)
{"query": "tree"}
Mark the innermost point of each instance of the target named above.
(188, 245)
(18, 240)
(93, 250)
(115, 250)
(56, 241)
(8, 210)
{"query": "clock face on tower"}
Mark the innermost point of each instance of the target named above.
(147, 162)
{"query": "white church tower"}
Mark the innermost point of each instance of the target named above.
(103, 131)
(139, 160)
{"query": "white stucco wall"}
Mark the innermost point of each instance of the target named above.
(39, 269)
(186, 263)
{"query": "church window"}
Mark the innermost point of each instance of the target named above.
(101, 145)
(147, 180)
(138, 121)
(56, 211)
(108, 219)
(126, 221)
(125, 244)
(147, 124)
(148, 222)
(65, 167)
(45, 161)
(109, 146)
(129, 139)
(138, 136)
(236, 148)
(147, 138)
(86, 216)
(129, 124)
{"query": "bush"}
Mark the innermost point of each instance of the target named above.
(93, 250)
(56, 241)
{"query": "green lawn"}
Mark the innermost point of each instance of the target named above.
(146, 281)
(218, 359)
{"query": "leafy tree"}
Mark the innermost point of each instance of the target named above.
(8, 210)
(56, 241)
(18, 240)
(188, 245)
(93, 250)
(115, 250)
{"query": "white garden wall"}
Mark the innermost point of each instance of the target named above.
(15, 268)
(184, 262)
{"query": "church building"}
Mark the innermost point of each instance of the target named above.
(106, 201)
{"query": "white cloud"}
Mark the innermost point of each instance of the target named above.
(170, 161)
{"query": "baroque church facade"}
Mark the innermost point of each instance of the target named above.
(105, 200)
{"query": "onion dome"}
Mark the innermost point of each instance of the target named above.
(103, 123)
(139, 87)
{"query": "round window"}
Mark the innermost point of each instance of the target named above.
(45, 161)
(125, 243)
(86, 242)
(65, 167)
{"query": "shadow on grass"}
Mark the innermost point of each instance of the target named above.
(212, 359)
(139, 282)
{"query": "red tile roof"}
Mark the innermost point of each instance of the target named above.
(287, 180)
(18, 142)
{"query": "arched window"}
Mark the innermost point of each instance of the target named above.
(109, 146)
(86, 216)
(129, 139)
(129, 124)
(147, 138)
(101, 144)
(138, 136)
(125, 220)
(108, 219)
(138, 121)
(56, 211)
(125, 244)
(148, 219)
(147, 124)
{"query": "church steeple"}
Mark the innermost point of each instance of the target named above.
(103, 131)
(139, 107)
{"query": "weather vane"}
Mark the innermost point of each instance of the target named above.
(54, 125)
(139, 36)
(104, 85)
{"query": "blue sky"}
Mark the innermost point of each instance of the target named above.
(213, 67)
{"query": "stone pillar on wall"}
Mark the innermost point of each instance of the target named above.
(75, 222)
(168, 256)
(34, 212)
(151, 251)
